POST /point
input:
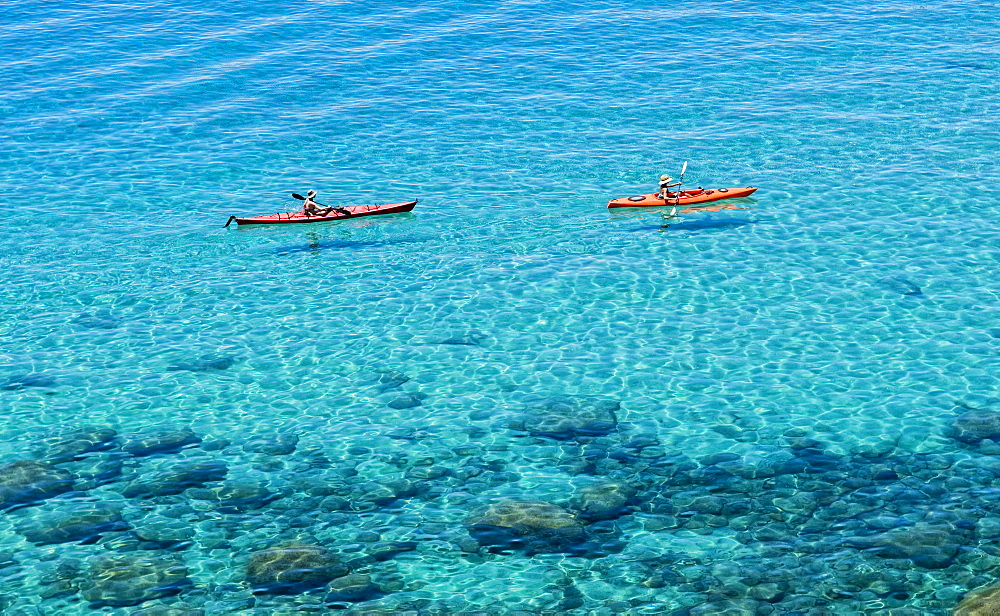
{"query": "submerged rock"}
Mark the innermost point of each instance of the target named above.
(63, 581)
(407, 401)
(236, 496)
(352, 589)
(980, 602)
(99, 319)
(390, 379)
(81, 522)
(373, 494)
(605, 501)
(809, 457)
(564, 418)
(75, 445)
(901, 285)
(976, 425)
(205, 364)
(272, 444)
(97, 470)
(472, 338)
(385, 550)
(27, 481)
(531, 526)
(292, 568)
(164, 534)
(163, 610)
(6, 560)
(726, 607)
(158, 440)
(176, 479)
(118, 580)
(931, 547)
(36, 379)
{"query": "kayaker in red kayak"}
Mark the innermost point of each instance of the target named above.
(665, 186)
(309, 207)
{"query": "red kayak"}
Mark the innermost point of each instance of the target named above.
(356, 211)
(686, 197)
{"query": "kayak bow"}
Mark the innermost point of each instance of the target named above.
(686, 197)
(356, 211)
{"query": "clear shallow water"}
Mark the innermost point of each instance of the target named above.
(871, 131)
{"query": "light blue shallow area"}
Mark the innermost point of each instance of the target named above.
(849, 307)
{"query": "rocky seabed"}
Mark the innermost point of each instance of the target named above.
(166, 521)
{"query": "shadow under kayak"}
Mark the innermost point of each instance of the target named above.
(687, 197)
(283, 218)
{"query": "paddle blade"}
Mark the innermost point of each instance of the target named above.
(298, 196)
(684, 168)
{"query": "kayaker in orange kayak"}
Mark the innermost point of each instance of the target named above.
(309, 205)
(665, 186)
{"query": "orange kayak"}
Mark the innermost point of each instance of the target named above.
(686, 197)
(298, 217)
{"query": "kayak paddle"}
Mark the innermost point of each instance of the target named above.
(677, 200)
(681, 182)
(301, 198)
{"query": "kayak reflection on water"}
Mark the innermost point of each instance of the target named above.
(672, 217)
(715, 207)
(313, 243)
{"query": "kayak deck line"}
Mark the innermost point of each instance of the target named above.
(685, 197)
(355, 211)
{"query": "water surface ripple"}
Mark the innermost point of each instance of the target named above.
(511, 400)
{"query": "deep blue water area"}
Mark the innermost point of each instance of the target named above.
(511, 400)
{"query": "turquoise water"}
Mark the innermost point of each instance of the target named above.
(806, 388)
